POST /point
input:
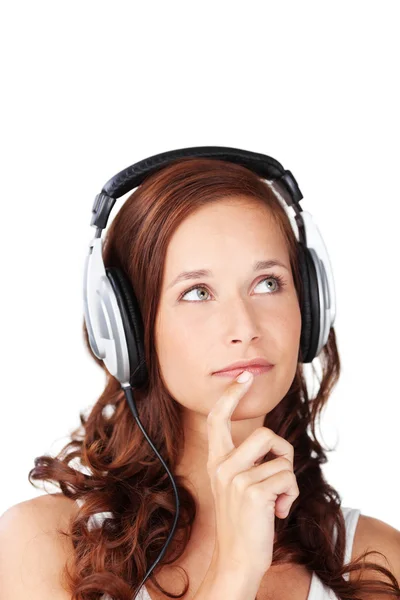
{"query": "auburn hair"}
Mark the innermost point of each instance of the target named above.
(109, 466)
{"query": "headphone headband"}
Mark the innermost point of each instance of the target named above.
(131, 177)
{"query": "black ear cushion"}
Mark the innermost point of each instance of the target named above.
(310, 309)
(305, 307)
(315, 306)
(133, 324)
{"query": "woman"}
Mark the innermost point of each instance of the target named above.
(116, 505)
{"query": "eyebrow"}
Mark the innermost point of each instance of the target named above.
(198, 273)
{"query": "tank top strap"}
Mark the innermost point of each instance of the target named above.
(351, 516)
(318, 590)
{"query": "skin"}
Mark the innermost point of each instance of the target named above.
(234, 315)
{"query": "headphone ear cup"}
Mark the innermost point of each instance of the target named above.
(133, 325)
(310, 309)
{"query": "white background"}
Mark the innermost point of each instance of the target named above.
(91, 87)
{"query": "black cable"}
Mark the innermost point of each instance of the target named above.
(131, 403)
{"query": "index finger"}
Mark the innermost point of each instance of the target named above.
(220, 442)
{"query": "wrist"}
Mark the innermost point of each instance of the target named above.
(242, 580)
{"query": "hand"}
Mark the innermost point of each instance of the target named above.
(247, 497)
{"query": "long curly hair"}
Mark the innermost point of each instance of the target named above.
(111, 470)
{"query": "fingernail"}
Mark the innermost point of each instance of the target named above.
(243, 377)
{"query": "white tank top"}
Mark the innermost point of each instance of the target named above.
(318, 590)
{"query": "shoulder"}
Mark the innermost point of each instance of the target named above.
(32, 551)
(374, 534)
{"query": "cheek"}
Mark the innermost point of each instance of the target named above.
(184, 367)
(183, 349)
(185, 340)
(288, 328)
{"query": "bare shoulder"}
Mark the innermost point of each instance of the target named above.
(374, 534)
(32, 551)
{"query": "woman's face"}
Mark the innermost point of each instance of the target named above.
(235, 313)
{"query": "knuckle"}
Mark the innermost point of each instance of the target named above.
(240, 481)
(262, 436)
(293, 479)
(286, 462)
(254, 493)
(287, 474)
(263, 433)
(291, 448)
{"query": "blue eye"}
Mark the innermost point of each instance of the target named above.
(277, 278)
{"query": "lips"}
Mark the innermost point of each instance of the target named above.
(235, 372)
(243, 365)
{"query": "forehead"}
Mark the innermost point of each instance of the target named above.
(227, 231)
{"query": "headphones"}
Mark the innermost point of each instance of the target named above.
(112, 315)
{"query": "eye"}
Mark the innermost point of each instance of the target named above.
(278, 279)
